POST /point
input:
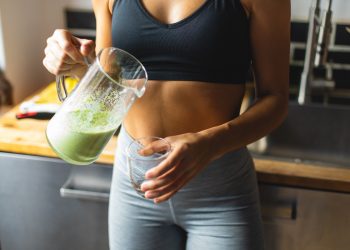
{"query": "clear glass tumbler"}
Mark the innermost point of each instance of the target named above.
(139, 162)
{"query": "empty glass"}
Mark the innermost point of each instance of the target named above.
(139, 162)
(91, 114)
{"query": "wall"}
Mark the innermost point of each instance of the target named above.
(26, 24)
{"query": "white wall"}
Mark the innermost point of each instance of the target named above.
(26, 24)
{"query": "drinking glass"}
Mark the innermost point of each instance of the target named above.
(139, 163)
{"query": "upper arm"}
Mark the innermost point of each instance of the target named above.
(103, 23)
(270, 43)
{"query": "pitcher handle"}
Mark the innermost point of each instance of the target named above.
(61, 85)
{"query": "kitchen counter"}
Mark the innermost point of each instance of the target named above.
(27, 136)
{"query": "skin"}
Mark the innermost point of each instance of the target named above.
(200, 120)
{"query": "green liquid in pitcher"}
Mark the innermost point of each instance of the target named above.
(82, 135)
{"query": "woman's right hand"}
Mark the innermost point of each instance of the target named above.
(64, 54)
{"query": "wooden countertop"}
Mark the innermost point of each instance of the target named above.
(27, 136)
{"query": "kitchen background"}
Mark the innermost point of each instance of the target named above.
(46, 203)
(26, 24)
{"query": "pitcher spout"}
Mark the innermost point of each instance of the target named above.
(139, 92)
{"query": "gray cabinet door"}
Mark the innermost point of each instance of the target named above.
(324, 221)
(33, 214)
(303, 219)
(279, 213)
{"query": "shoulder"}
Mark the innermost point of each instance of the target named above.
(256, 6)
(246, 4)
(103, 23)
(101, 6)
(111, 5)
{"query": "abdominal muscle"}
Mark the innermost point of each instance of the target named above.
(176, 107)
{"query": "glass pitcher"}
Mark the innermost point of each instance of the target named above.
(92, 113)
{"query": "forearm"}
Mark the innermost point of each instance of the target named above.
(261, 118)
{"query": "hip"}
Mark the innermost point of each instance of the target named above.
(231, 174)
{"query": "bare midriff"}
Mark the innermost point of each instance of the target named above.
(175, 107)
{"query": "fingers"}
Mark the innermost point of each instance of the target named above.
(63, 70)
(56, 61)
(87, 47)
(164, 180)
(64, 53)
(173, 159)
(169, 183)
(56, 54)
(186, 159)
(165, 192)
(68, 44)
(158, 146)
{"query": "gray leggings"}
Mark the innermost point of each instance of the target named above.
(217, 210)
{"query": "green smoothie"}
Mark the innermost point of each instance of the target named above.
(82, 135)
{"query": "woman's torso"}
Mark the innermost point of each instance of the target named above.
(171, 107)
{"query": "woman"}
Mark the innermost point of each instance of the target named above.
(197, 54)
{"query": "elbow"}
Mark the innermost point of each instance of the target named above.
(277, 105)
(282, 106)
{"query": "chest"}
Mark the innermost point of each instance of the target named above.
(181, 21)
(209, 36)
(171, 11)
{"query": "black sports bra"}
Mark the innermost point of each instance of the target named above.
(211, 45)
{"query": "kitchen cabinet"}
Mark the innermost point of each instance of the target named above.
(35, 216)
(305, 219)
(46, 203)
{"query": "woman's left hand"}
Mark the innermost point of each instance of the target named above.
(191, 152)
